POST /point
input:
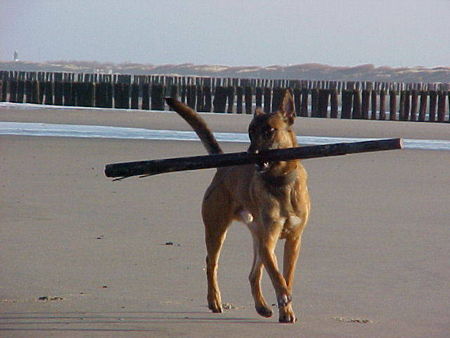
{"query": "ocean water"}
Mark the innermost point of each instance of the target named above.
(92, 131)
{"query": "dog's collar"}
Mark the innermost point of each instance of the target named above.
(278, 181)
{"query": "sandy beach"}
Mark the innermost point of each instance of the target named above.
(84, 256)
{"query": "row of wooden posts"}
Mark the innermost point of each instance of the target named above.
(326, 99)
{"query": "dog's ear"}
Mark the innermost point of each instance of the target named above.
(259, 111)
(287, 108)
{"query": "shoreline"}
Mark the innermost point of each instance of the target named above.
(219, 122)
(107, 132)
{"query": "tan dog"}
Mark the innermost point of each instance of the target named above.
(270, 198)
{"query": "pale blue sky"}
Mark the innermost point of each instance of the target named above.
(229, 32)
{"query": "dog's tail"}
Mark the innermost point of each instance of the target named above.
(197, 123)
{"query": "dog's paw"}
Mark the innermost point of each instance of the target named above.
(288, 318)
(264, 311)
(287, 315)
(215, 306)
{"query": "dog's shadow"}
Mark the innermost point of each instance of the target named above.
(112, 321)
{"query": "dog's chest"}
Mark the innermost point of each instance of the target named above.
(292, 213)
(289, 224)
(282, 210)
(282, 205)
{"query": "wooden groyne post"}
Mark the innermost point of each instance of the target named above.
(422, 102)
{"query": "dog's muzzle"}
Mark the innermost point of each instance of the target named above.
(261, 166)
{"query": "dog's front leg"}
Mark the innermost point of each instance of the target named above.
(291, 253)
(268, 239)
(255, 279)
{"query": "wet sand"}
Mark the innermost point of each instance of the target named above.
(82, 255)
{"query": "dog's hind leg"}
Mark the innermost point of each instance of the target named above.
(214, 236)
(216, 221)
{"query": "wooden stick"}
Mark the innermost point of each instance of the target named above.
(153, 167)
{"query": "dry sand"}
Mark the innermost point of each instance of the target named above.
(84, 256)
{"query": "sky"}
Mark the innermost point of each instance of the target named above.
(396, 33)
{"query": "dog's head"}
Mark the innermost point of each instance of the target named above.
(273, 130)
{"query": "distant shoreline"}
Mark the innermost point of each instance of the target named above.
(309, 71)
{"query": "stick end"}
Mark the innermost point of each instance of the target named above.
(108, 171)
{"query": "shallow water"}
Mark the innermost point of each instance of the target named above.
(91, 131)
